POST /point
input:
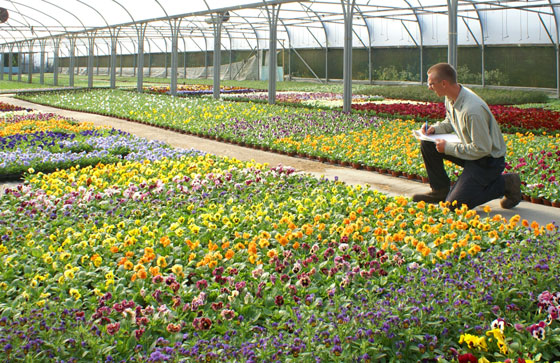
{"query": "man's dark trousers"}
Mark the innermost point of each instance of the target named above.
(480, 182)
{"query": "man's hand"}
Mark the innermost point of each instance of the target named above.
(440, 145)
(430, 130)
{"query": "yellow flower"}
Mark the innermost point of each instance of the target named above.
(161, 262)
(178, 270)
(69, 274)
(75, 294)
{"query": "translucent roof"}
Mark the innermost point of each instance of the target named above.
(314, 23)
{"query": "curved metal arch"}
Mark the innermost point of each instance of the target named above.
(162, 37)
(308, 8)
(482, 45)
(195, 25)
(369, 41)
(15, 41)
(250, 24)
(94, 9)
(421, 30)
(27, 16)
(63, 9)
(257, 40)
(289, 49)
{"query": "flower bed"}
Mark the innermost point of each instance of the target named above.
(206, 258)
(6, 107)
(45, 143)
(311, 99)
(510, 118)
(197, 89)
(362, 140)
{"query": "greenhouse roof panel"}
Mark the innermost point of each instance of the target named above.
(44, 20)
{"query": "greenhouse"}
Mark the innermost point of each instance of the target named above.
(279, 181)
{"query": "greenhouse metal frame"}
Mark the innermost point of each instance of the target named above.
(111, 27)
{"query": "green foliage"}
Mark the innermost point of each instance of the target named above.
(391, 73)
(491, 96)
(493, 77)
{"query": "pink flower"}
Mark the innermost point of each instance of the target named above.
(112, 329)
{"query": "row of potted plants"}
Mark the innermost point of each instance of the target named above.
(511, 118)
(353, 139)
(197, 89)
(46, 143)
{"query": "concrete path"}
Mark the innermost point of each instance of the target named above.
(386, 184)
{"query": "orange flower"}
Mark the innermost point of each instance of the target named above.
(272, 253)
(165, 241)
(229, 254)
(225, 245)
(252, 249)
(142, 274)
(154, 271)
(295, 246)
(128, 265)
(535, 225)
(114, 249)
(283, 241)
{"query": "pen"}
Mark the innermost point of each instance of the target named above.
(426, 127)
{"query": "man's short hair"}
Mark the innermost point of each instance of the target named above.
(444, 71)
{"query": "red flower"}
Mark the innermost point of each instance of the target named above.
(467, 358)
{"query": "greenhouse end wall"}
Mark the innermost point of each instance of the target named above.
(523, 65)
(527, 66)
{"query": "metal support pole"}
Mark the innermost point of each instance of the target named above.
(2, 65)
(205, 62)
(166, 65)
(141, 31)
(72, 60)
(20, 63)
(185, 63)
(348, 8)
(150, 65)
(113, 72)
(56, 60)
(43, 44)
(10, 61)
(557, 68)
(217, 23)
(121, 63)
(109, 59)
(230, 62)
(174, 54)
(91, 51)
(30, 64)
(452, 33)
(327, 60)
(272, 13)
(134, 61)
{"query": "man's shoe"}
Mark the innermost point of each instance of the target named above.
(512, 191)
(435, 196)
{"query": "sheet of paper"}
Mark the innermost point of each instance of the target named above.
(433, 137)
